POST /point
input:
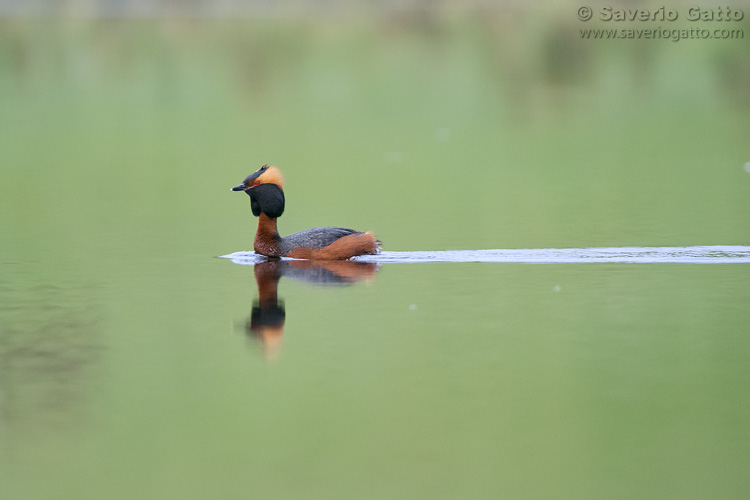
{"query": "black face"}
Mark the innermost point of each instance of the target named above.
(249, 181)
(266, 199)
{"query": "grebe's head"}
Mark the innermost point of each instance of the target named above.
(265, 190)
(264, 175)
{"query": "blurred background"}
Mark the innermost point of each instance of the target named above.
(436, 125)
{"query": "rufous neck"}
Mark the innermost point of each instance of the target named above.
(267, 227)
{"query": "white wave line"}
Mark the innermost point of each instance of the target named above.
(716, 254)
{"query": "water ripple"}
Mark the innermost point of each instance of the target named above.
(635, 255)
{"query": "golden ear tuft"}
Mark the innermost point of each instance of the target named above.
(272, 175)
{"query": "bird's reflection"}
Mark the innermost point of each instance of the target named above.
(266, 322)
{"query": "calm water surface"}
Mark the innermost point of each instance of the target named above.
(136, 364)
(184, 377)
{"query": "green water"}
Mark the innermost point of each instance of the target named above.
(126, 366)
